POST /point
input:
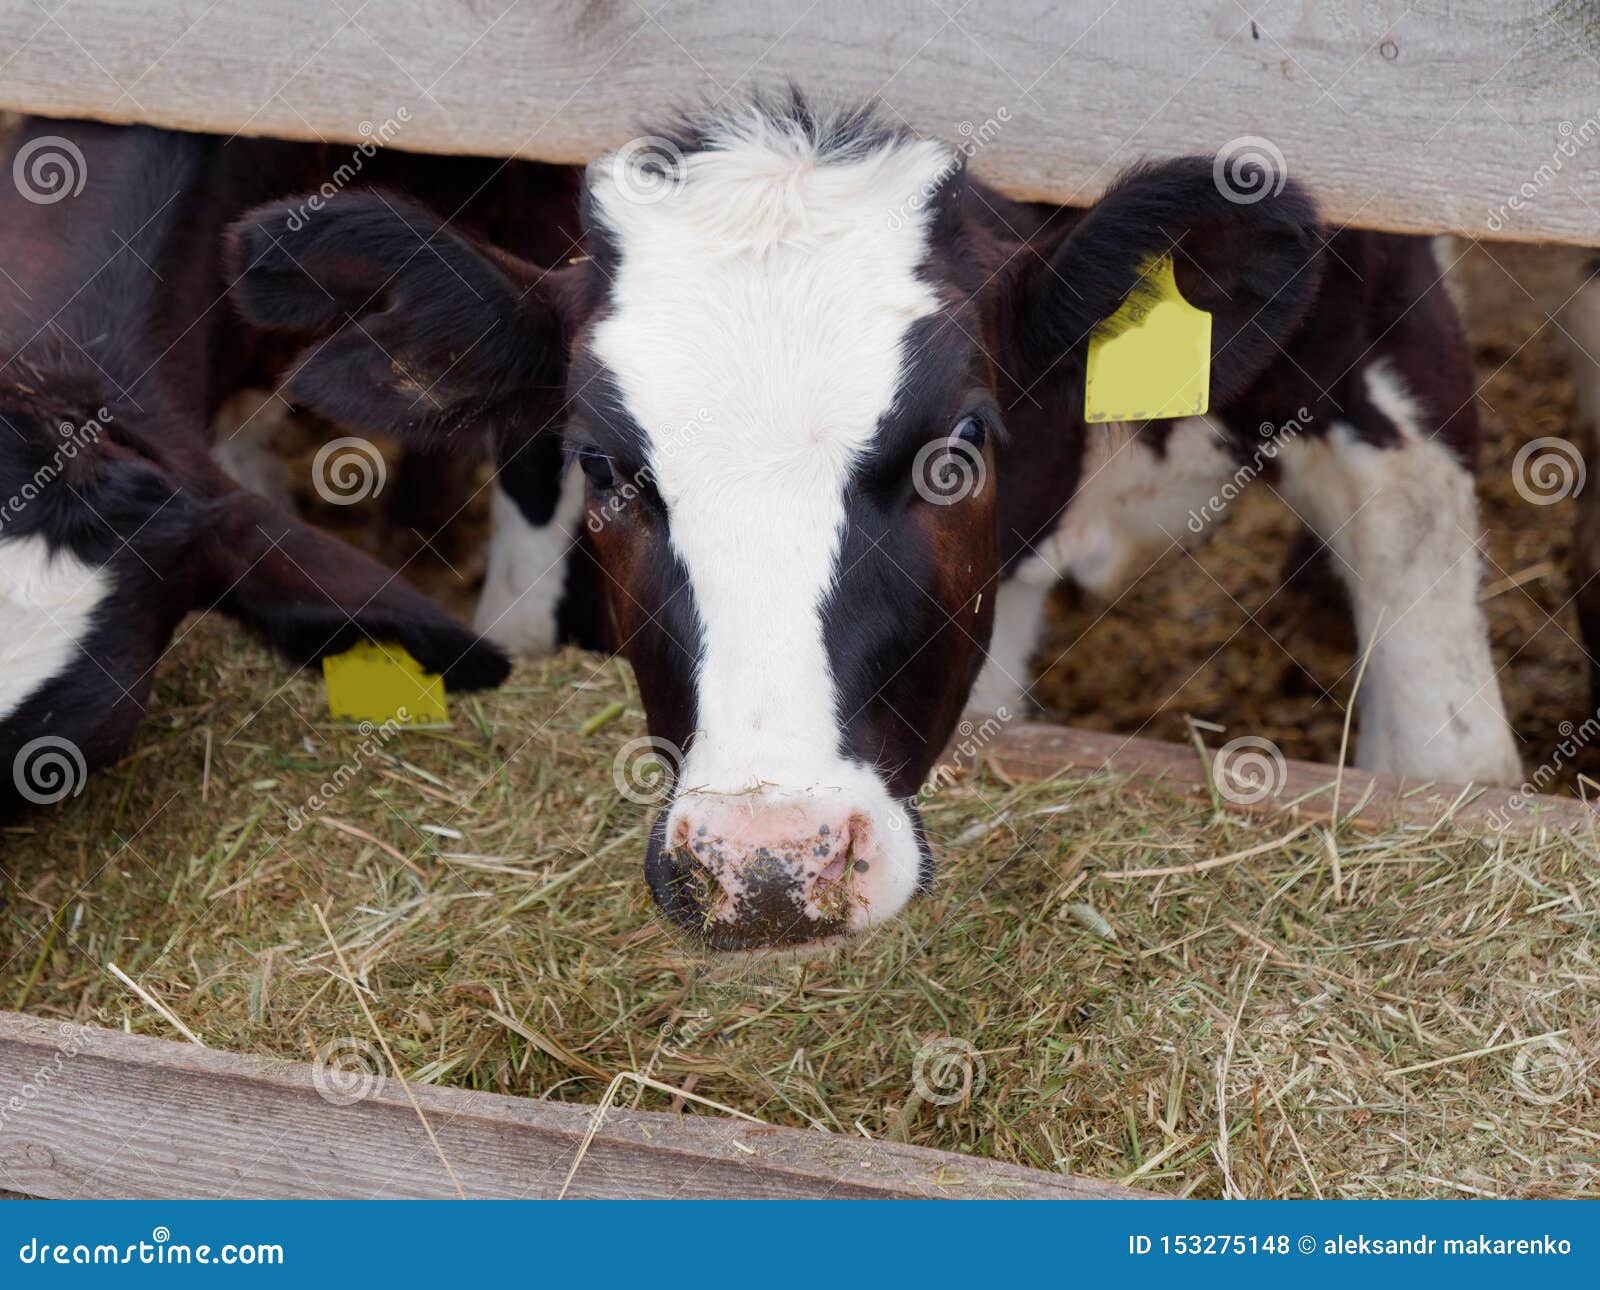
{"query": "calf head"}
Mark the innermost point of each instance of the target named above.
(787, 371)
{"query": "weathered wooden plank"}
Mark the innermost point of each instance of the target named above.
(98, 1113)
(1425, 115)
(1034, 751)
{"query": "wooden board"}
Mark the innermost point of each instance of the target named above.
(97, 1113)
(1034, 751)
(1420, 115)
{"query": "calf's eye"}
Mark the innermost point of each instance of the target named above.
(597, 466)
(970, 430)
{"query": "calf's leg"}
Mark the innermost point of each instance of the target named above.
(1395, 505)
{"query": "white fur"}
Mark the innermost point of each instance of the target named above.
(1402, 522)
(766, 301)
(47, 604)
(1134, 504)
(527, 570)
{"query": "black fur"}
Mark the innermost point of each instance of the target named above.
(363, 273)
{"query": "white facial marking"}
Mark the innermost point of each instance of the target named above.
(1402, 525)
(47, 603)
(527, 570)
(766, 302)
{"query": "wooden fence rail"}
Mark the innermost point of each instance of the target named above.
(89, 1113)
(1475, 116)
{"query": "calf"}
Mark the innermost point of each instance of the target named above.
(795, 330)
(117, 347)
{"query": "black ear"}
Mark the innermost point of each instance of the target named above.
(1245, 247)
(424, 335)
(309, 594)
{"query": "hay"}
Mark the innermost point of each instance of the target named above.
(1409, 1014)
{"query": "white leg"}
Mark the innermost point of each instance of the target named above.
(1018, 615)
(527, 570)
(1134, 503)
(1401, 522)
(250, 434)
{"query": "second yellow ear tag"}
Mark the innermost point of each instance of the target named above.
(380, 683)
(1152, 358)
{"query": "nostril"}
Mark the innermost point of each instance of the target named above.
(696, 881)
(843, 860)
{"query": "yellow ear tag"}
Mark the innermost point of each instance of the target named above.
(382, 683)
(1152, 358)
